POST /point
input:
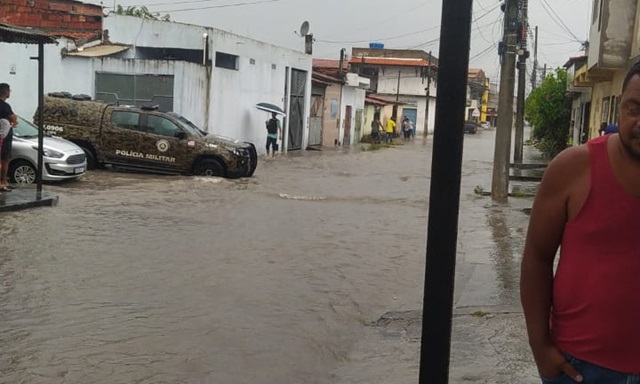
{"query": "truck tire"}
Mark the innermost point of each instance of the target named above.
(209, 167)
(92, 161)
(254, 160)
(22, 172)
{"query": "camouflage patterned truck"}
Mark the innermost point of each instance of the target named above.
(145, 139)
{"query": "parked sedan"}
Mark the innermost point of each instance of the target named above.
(62, 158)
(470, 127)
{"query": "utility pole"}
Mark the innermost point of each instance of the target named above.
(523, 54)
(444, 196)
(426, 110)
(502, 151)
(534, 76)
(544, 72)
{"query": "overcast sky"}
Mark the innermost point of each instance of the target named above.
(397, 23)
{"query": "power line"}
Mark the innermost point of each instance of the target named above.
(483, 52)
(397, 36)
(380, 39)
(174, 3)
(378, 23)
(233, 5)
(437, 39)
(557, 19)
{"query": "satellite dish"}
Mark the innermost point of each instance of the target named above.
(304, 28)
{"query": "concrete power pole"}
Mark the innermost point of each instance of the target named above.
(426, 110)
(522, 79)
(501, 157)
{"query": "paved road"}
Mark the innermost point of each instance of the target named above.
(310, 272)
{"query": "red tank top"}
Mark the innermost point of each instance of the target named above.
(596, 293)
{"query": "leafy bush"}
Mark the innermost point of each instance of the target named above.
(548, 109)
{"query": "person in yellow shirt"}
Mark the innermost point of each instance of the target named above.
(391, 128)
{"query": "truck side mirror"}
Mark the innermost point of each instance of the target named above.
(181, 135)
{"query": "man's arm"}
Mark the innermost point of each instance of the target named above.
(12, 117)
(546, 227)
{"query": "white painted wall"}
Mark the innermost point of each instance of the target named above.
(230, 110)
(70, 74)
(233, 93)
(411, 83)
(354, 97)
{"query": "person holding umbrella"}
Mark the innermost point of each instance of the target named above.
(274, 133)
(274, 128)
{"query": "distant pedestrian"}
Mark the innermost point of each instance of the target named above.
(391, 128)
(603, 127)
(406, 128)
(611, 128)
(274, 133)
(376, 128)
(5, 151)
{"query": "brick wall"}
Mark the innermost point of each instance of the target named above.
(59, 17)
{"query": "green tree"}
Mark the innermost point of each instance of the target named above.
(548, 109)
(142, 12)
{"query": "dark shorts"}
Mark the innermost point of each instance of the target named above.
(5, 152)
(272, 142)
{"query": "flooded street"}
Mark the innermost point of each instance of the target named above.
(281, 278)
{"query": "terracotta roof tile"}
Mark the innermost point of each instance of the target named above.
(329, 64)
(390, 61)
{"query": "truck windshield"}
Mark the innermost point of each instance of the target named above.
(188, 125)
(25, 129)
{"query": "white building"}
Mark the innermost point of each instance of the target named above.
(402, 75)
(212, 77)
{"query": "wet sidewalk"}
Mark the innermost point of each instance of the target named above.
(26, 198)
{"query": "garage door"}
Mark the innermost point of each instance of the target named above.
(124, 89)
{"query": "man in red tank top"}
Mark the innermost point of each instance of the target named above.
(584, 322)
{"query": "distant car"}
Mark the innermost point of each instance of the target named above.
(470, 127)
(62, 158)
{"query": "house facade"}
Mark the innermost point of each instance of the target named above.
(580, 93)
(613, 49)
(477, 96)
(212, 77)
(344, 103)
(405, 76)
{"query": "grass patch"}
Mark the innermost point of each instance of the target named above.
(480, 314)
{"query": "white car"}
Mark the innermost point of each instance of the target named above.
(62, 158)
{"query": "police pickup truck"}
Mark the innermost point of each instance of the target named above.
(144, 139)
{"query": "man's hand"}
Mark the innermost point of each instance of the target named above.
(552, 364)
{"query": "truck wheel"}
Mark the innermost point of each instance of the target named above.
(209, 167)
(22, 172)
(254, 160)
(91, 157)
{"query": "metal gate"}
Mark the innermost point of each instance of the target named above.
(358, 128)
(347, 126)
(412, 114)
(122, 89)
(315, 121)
(296, 108)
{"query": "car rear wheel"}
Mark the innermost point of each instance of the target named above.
(209, 167)
(22, 172)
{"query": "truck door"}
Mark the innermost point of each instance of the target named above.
(166, 143)
(121, 135)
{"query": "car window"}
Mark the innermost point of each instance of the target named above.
(161, 126)
(126, 120)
